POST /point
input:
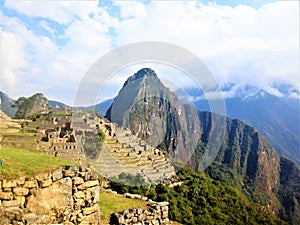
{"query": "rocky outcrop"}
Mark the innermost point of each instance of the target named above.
(156, 115)
(67, 195)
(28, 107)
(154, 214)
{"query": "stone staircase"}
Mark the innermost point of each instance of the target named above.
(126, 153)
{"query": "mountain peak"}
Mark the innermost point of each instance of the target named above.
(144, 72)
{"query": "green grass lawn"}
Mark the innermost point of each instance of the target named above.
(111, 203)
(18, 162)
(20, 133)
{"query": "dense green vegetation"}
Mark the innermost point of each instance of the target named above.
(202, 200)
(93, 144)
(23, 162)
(289, 193)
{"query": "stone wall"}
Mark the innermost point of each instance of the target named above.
(154, 214)
(68, 195)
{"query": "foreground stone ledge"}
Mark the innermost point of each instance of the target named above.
(68, 195)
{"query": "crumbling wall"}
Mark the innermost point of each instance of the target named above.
(68, 195)
(154, 214)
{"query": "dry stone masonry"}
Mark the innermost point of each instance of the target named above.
(68, 195)
(154, 214)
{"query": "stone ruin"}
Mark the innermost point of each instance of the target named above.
(60, 141)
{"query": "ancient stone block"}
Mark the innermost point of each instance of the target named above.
(78, 180)
(165, 214)
(9, 183)
(13, 213)
(43, 176)
(164, 221)
(57, 174)
(165, 208)
(20, 191)
(134, 219)
(95, 192)
(46, 183)
(90, 210)
(30, 184)
(88, 184)
(20, 180)
(76, 212)
(20, 200)
(121, 219)
(139, 211)
(79, 204)
(90, 219)
(6, 195)
(32, 218)
(79, 194)
(155, 222)
(141, 217)
(11, 203)
(52, 199)
(162, 204)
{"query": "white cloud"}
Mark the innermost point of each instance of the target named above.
(63, 12)
(10, 61)
(241, 45)
(37, 63)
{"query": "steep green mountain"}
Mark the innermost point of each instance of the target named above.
(155, 114)
(242, 156)
(277, 118)
(6, 105)
(248, 155)
(28, 107)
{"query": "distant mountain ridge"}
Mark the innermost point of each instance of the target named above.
(277, 118)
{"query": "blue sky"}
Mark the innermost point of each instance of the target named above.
(47, 46)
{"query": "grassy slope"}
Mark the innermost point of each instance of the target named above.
(110, 203)
(23, 162)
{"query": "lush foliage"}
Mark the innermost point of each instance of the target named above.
(127, 182)
(289, 193)
(202, 200)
